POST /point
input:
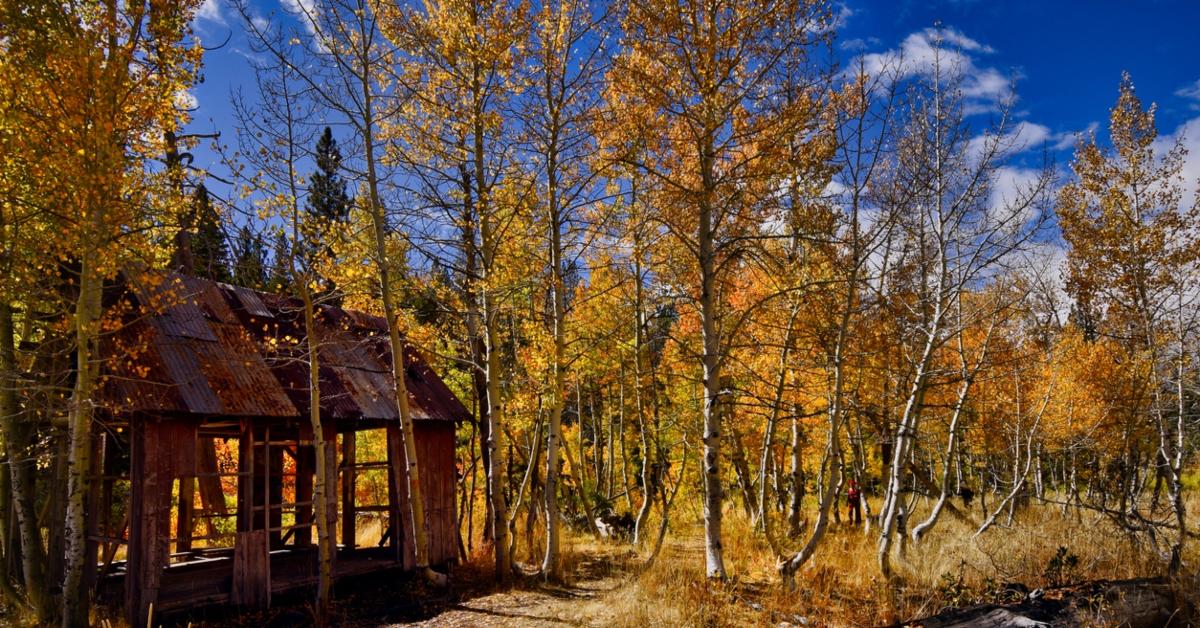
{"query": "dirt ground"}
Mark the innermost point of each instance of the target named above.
(546, 606)
(602, 579)
(531, 602)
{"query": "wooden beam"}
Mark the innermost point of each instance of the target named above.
(400, 513)
(94, 497)
(275, 495)
(305, 468)
(251, 549)
(152, 472)
(187, 502)
(348, 476)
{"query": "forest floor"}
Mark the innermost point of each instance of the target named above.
(1044, 567)
(608, 586)
(578, 602)
(595, 575)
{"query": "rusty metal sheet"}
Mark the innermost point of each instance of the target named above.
(250, 302)
(183, 368)
(241, 378)
(175, 308)
(427, 391)
(197, 355)
(372, 392)
(211, 300)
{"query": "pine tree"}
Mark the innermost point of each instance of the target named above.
(328, 203)
(250, 265)
(210, 252)
(279, 279)
(327, 196)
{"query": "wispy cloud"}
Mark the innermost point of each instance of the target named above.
(955, 55)
(210, 11)
(1192, 93)
(305, 11)
(1027, 136)
(1188, 134)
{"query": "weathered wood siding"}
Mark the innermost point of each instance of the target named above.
(435, 451)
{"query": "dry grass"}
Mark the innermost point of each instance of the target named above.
(605, 583)
(841, 587)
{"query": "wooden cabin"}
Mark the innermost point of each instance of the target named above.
(203, 459)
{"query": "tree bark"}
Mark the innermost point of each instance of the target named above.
(87, 315)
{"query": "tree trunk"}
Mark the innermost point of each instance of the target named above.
(796, 506)
(325, 541)
(713, 497)
(87, 315)
(395, 340)
(17, 444)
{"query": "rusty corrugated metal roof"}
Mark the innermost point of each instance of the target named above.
(204, 348)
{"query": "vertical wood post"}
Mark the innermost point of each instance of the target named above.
(91, 548)
(397, 492)
(151, 476)
(275, 495)
(331, 474)
(348, 476)
(305, 467)
(251, 551)
(187, 500)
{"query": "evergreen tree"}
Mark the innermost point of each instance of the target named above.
(250, 267)
(210, 252)
(279, 279)
(327, 196)
(328, 203)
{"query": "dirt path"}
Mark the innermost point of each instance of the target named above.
(543, 605)
(596, 578)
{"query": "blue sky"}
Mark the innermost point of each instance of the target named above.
(1066, 59)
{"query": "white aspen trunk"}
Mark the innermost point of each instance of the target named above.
(20, 465)
(395, 339)
(904, 437)
(763, 515)
(643, 430)
(951, 451)
(1019, 476)
(85, 323)
(713, 497)
(550, 564)
(325, 540)
(797, 478)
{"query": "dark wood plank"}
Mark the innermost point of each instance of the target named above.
(349, 513)
(251, 570)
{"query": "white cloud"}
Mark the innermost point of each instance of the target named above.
(1025, 136)
(1011, 192)
(210, 10)
(1190, 92)
(1188, 134)
(955, 54)
(1045, 266)
(186, 100)
(841, 15)
(1065, 140)
(304, 10)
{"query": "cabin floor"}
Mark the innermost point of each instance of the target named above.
(209, 579)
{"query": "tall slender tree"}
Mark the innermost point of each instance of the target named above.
(696, 91)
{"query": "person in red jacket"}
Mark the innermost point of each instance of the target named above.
(854, 505)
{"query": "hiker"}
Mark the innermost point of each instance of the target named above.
(853, 503)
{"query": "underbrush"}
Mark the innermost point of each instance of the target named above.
(841, 586)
